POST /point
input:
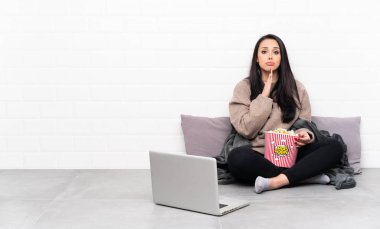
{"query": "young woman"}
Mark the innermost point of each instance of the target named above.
(271, 98)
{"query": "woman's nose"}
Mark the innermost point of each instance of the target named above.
(270, 56)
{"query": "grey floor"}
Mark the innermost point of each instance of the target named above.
(122, 199)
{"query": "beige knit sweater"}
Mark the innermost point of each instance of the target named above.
(252, 118)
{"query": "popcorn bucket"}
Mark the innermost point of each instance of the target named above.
(280, 149)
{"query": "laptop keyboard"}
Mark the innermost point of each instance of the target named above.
(222, 205)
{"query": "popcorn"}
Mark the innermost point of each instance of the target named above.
(283, 131)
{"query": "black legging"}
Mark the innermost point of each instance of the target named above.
(313, 159)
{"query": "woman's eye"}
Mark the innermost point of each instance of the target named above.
(263, 52)
(276, 52)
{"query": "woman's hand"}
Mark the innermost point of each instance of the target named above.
(268, 85)
(302, 139)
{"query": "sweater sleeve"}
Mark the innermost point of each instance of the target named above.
(305, 112)
(248, 117)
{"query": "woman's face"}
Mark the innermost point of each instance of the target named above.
(269, 55)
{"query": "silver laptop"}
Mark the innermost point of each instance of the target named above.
(189, 182)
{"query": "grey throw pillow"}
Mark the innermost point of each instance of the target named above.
(349, 129)
(204, 136)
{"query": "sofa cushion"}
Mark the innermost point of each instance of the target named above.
(205, 136)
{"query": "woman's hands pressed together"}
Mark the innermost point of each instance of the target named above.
(268, 84)
(302, 139)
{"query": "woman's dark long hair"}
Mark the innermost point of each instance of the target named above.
(285, 90)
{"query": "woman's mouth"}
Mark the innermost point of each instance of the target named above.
(270, 63)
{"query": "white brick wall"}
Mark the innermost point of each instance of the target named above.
(96, 84)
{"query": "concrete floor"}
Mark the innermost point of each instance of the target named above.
(122, 199)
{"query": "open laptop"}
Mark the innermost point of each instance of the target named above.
(188, 182)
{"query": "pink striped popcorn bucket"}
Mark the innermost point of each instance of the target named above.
(280, 149)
